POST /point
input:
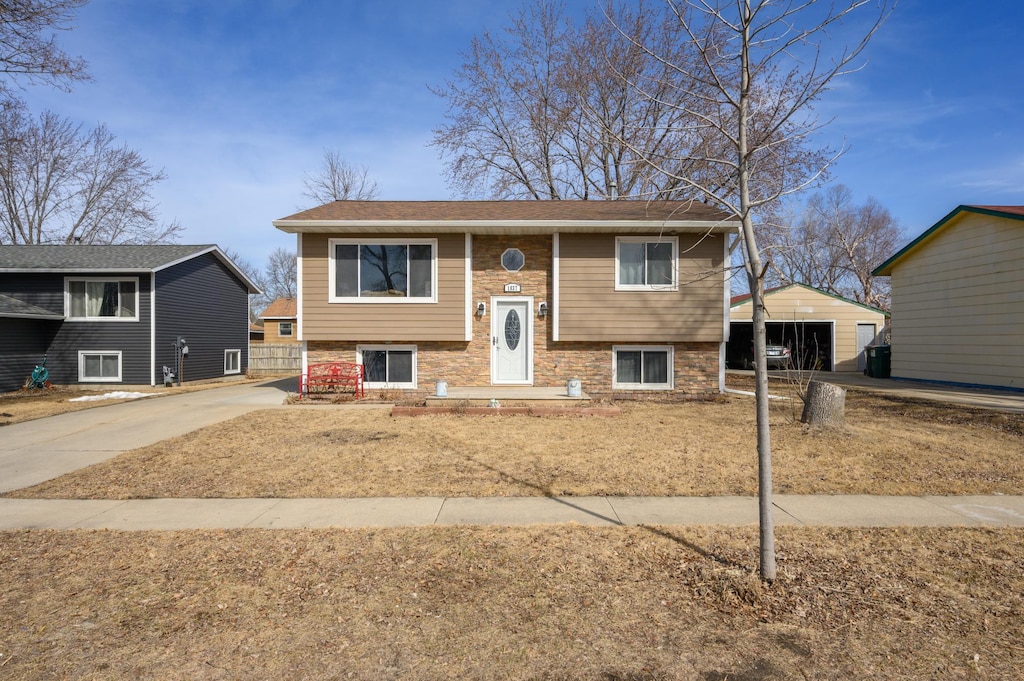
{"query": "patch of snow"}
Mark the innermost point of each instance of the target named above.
(116, 395)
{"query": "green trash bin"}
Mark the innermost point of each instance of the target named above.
(879, 361)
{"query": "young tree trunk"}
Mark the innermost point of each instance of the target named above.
(824, 405)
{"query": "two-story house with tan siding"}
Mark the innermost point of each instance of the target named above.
(958, 300)
(629, 297)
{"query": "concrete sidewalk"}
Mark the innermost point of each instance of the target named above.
(813, 510)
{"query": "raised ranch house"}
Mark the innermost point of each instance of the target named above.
(626, 296)
(958, 300)
(823, 331)
(113, 315)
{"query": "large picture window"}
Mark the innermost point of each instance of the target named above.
(642, 368)
(102, 299)
(383, 270)
(99, 366)
(389, 366)
(646, 263)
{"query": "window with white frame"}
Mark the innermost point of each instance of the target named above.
(642, 367)
(96, 299)
(284, 329)
(383, 270)
(646, 263)
(99, 366)
(232, 361)
(388, 366)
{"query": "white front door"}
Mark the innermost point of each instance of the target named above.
(512, 341)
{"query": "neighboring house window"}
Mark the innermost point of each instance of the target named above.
(99, 366)
(642, 367)
(388, 366)
(232, 361)
(102, 299)
(646, 263)
(284, 329)
(383, 270)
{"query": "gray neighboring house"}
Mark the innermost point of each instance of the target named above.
(110, 315)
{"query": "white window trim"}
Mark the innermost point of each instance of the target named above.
(360, 349)
(228, 372)
(82, 378)
(385, 300)
(291, 330)
(616, 385)
(67, 300)
(648, 240)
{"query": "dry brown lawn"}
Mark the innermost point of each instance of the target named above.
(542, 602)
(562, 602)
(703, 448)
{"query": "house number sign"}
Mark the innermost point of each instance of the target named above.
(513, 288)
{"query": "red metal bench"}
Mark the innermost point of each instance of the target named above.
(333, 377)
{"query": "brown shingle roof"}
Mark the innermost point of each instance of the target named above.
(474, 211)
(280, 309)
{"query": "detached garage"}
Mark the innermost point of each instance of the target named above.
(822, 330)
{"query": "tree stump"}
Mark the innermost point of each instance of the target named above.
(824, 405)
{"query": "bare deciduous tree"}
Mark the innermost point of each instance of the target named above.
(279, 275)
(28, 46)
(834, 244)
(61, 184)
(763, 63)
(276, 280)
(339, 180)
(551, 110)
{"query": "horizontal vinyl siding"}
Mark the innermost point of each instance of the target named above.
(590, 309)
(800, 304)
(201, 300)
(42, 290)
(444, 320)
(22, 345)
(958, 305)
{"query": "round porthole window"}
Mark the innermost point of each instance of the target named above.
(513, 260)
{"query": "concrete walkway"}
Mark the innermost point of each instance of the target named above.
(817, 510)
(36, 451)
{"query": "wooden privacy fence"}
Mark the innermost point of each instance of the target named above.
(267, 359)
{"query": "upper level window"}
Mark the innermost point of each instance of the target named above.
(284, 329)
(513, 260)
(646, 263)
(102, 299)
(383, 270)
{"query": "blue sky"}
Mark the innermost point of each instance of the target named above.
(236, 99)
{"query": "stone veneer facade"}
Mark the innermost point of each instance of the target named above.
(469, 363)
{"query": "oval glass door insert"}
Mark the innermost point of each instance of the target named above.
(512, 329)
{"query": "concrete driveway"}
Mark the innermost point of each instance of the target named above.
(35, 451)
(1002, 400)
